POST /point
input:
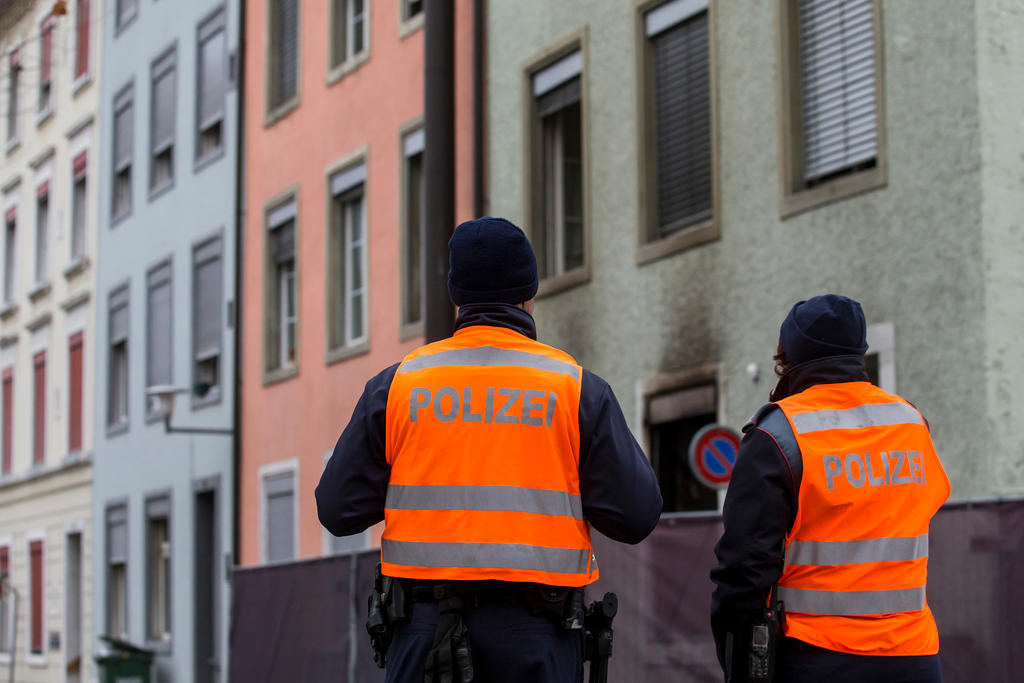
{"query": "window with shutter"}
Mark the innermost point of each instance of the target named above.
(558, 233)
(35, 553)
(279, 521)
(79, 199)
(117, 570)
(348, 37)
(280, 312)
(45, 64)
(10, 255)
(127, 10)
(117, 366)
(158, 569)
(162, 118)
(832, 111)
(7, 443)
(5, 604)
(75, 387)
(82, 25)
(121, 203)
(39, 408)
(159, 326)
(42, 273)
(413, 254)
(13, 90)
(212, 85)
(284, 52)
(347, 259)
(207, 323)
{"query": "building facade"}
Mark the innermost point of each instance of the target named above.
(165, 318)
(333, 274)
(50, 95)
(688, 170)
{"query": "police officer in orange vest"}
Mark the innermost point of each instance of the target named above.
(828, 509)
(488, 455)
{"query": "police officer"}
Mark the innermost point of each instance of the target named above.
(830, 500)
(488, 455)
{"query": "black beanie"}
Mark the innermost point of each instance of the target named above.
(829, 325)
(491, 261)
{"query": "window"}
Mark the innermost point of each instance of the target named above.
(39, 408)
(413, 254)
(10, 255)
(672, 421)
(207, 323)
(676, 123)
(79, 208)
(831, 105)
(348, 30)
(117, 571)
(211, 85)
(123, 123)
(158, 569)
(346, 288)
(6, 612)
(117, 380)
(161, 120)
(283, 84)
(558, 167)
(75, 390)
(82, 30)
(279, 523)
(280, 296)
(43, 234)
(36, 626)
(13, 88)
(880, 360)
(8, 421)
(159, 327)
(45, 65)
(411, 8)
(126, 12)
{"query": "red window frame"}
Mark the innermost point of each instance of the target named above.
(39, 408)
(82, 24)
(75, 378)
(7, 446)
(35, 553)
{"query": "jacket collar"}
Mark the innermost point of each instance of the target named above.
(497, 315)
(830, 370)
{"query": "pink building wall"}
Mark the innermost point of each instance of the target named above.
(303, 416)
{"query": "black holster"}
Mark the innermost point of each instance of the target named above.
(597, 643)
(386, 610)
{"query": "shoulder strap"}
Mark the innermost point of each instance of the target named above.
(770, 418)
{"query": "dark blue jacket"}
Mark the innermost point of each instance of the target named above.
(619, 490)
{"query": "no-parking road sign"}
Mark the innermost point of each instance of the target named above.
(713, 453)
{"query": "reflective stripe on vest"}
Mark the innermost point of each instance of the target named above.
(849, 603)
(487, 556)
(857, 552)
(858, 547)
(483, 443)
(463, 497)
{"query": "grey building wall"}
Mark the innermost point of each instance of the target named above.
(136, 462)
(936, 251)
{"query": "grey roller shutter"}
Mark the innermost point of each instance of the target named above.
(208, 295)
(682, 113)
(212, 72)
(280, 510)
(284, 243)
(123, 130)
(119, 316)
(837, 77)
(164, 102)
(286, 40)
(117, 535)
(159, 327)
(559, 98)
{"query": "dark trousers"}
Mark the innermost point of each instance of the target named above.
(509, 645)
(800, 662)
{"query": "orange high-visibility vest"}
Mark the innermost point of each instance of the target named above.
(857, 555)
(483, 444)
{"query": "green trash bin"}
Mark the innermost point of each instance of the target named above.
(126, 663)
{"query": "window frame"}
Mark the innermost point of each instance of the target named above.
(7, 434)
(356, 163)
(76, 340)
(273, 113)
(15, 69)
(79, 176)
(533, 153)
(121, 291)
(81, 70)
(407, 25)
(40, 358)
(10, 248)
(881, 339)
(123, 99)
(121, 26)
(409, 330)
(202, 253)
(46, 90)
(35, 658)
(291, 465)
(650, 247)
(157, 275)
(43, 239)
(164, 65)
(350, 61)
(215, 22)
(272, 369)
(7, 626)
(152, 500)
(110, 509)
(793, 197)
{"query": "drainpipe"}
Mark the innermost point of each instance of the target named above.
(236, 418)
(479, 67)
(439, 163)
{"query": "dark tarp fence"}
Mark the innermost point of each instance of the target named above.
(304, 621)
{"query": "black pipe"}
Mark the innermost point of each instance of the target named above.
(439, 163)
(479, 68)
(236, 418)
